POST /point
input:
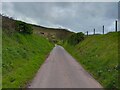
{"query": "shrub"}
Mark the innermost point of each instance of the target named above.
(76, 38)
(23, 27)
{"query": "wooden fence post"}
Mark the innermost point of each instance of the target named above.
(87, 33)
(116, 25)
(103, 29)
(94, 31)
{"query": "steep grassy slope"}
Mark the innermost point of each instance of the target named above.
(99, 55)
(22, 56)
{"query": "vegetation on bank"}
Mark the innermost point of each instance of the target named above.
(24, 50)
(22, 55)
(0, 58)
(23, 27)
(53, 34)
(75, 38)
(98, 54)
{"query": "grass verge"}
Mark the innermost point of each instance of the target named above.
(22, 56)
(98, 54)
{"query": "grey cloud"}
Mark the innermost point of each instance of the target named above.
(74, 16)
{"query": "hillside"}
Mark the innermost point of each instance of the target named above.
(22, 55)
(98, 54)
(53, 34)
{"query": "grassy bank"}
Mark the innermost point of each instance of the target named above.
(98, 54)
(22, 56)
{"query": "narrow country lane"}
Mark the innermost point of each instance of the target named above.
(61, 70)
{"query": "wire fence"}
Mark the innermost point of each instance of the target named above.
(103, 29)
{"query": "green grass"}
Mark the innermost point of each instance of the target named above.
(0, 57)
(22, 56)
(98, 54)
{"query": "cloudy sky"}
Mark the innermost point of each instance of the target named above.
(75, 16)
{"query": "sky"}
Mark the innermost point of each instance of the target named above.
(74, 16)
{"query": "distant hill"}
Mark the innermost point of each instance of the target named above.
(51, 33)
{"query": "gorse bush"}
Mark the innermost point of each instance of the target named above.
(76, 38)
(23, 27)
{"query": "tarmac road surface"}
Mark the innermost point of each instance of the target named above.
(61, 70)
